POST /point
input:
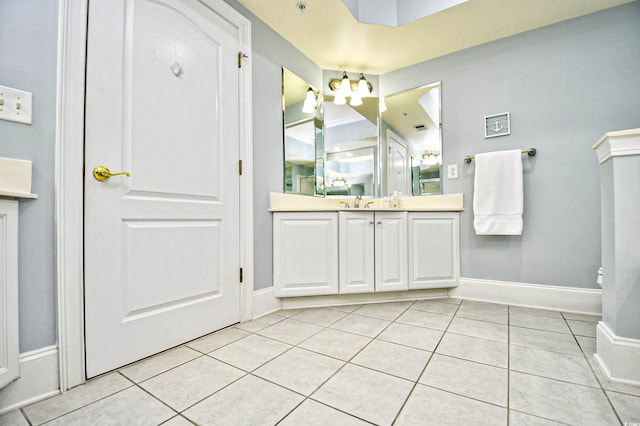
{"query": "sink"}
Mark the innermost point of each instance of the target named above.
(292, 202)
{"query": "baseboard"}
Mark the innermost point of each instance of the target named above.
(39, 379)
(618, 357)
(360, 298)
(265, 302)
(566, 299)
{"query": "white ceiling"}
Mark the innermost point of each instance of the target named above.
(328, 34)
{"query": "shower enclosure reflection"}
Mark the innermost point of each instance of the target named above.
(303, 136)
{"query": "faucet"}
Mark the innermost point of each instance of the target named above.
(356, 202)
(345, 203)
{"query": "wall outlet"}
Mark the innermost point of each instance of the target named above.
(15, 105)
(452, 171)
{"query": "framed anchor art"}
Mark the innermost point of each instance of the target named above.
(497, 125)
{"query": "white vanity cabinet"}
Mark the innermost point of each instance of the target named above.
(373, 251)
(9, 350)
(434, 250)
(324, 253)
(305, 253)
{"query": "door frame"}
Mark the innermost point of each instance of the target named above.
(69, 180)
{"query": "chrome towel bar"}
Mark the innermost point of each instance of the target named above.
(530, 152)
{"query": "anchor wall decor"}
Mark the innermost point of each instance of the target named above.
(497, 125)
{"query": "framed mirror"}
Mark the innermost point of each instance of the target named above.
(411, 133)
(302, 117)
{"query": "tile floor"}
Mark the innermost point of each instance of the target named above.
(425, 362)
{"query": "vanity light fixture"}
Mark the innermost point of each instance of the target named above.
(382, 106)
(339, 181)
(431, 157)
(344, 88)
(310, 102)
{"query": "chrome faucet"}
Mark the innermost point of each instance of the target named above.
(356, 202)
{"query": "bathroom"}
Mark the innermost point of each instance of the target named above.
(564, 85)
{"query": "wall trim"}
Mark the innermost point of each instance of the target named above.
(360, 298)
(72, 36)
(39, 379)
(618, 357)
(265, 302)
(566, 299)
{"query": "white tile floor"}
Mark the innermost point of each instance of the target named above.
(427, 362)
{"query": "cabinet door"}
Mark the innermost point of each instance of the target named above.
(434, 250)
(391, 251)
(305, 254)
(356, 252)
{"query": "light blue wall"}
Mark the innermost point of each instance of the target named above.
(565, 86)
(28, 61)
(270, 53)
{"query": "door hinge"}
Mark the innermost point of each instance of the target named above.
(240, 274)
(241, 55)
(239, 166)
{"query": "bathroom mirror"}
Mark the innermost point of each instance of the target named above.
(303, 135)
(338, 150)
(411, 134)
(351, 148)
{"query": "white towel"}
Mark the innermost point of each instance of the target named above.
(498, 194)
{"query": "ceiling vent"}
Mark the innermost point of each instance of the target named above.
(395, 13)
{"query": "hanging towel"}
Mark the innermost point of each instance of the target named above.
(498, 197)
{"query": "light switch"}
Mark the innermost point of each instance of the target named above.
(15, 105)
(452, 171)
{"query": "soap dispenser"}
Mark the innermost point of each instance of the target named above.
(396, 199)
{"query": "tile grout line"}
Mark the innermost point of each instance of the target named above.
(606, 395)
(415, 384)
(347, 362)
(307, 397)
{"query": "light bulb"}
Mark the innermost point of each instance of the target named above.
(345, 85)
(309, 105)
(363, 87)
(340, 99)
(382, 106)
(356, 100)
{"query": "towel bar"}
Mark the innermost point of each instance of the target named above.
(530, 152)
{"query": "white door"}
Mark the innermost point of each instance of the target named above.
(398, 165)
(161, 246)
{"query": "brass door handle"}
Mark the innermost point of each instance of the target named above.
(103, 173)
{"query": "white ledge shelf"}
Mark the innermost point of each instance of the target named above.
(7, 194)
(281, 202)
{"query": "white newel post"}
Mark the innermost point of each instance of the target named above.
(618, 334)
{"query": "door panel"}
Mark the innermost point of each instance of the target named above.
(391, 262)
(161, 246)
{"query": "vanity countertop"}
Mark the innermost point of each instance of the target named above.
(281, 202)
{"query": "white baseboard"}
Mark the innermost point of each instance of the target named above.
(39, 379)
(618, 357)
(359, 298)
(265, 302)
(566, 299)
